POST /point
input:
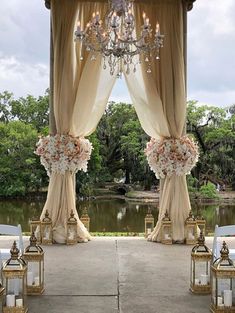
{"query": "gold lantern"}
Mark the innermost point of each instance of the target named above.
(1, 296)
(72, 236)
(35, 227)
(223, 283)
(14, 273)
(46, 228)
(190, 230)
(166, 230)
(34, 258)
(148, 223)
(201, 222)
(85, 219)
(200, 267)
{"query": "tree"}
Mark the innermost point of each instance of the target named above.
(123, 142)
(213, 129)
(20, 171)
(30, 110)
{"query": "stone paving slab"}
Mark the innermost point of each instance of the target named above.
(164, 304)
(70, 304)
(84, 269)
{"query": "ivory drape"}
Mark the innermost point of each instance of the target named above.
(82, 89)
(160, 102)
(81, 92)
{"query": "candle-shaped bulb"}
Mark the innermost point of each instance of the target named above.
(97, 13)
(78, 28)
(158, 28)
(93, 14)
(144, 15)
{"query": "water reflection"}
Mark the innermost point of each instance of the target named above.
(115, 215)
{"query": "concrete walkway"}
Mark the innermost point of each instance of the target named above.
(117, 275)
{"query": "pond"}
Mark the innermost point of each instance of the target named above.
(112, 215)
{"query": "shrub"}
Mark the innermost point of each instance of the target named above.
(209, 191)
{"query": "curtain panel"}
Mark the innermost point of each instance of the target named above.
(160, 102)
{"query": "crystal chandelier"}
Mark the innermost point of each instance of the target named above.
(116, 38)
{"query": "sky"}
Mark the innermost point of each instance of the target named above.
(24, 51)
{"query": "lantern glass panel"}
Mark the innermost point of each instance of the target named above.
(191, 232)
(34, 274)
(166, 232)
(149, 227)
(46, 232)
(202, 273)
(72, 232)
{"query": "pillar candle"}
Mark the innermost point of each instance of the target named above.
(36, 280)
(228, 298)
(10, 300)
(30, 278)
(204, 279)
(19, 302)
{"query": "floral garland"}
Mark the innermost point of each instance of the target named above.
(61, 153)
(170, 156)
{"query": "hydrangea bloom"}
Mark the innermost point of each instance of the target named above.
(170, 156)
(61, 153)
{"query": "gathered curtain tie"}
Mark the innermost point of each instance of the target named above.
(61, 153)
(169, 156)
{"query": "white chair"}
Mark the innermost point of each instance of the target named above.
(222, 231)
(11, 230)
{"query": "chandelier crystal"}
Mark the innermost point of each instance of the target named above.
(116, 39)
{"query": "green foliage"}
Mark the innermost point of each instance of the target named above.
(209, 191)
(122, 142)
(192, 183)
(20, 171)
(20, 123)
(213, 128)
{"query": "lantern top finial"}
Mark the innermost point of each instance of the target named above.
(149, 213)
(72, 218)
(200, 246)
(201, 239)
(46, 218)
(33, 239)
(190, 217)
(14, 251)
(166, 217)
(224, 252)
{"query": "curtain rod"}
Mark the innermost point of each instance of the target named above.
(189, 3)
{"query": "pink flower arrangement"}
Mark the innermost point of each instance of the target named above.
(61, 153)
(168, 156)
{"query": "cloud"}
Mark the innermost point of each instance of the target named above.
(24, 56)
(23, 78)
(211, 37)
(25, 30)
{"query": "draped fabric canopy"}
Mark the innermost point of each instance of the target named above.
(82, 89)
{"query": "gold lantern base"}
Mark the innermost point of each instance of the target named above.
(71, 242)
(166, 241)
(35, 290)
(200, 289)
(46, 241)
(14, 309)
(222, 309)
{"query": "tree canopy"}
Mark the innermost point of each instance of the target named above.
(118, 143)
